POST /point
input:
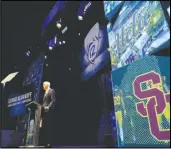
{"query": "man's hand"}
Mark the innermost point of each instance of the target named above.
(46, 109)
(40, 123)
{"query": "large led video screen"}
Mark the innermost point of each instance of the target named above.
(140, 29)
(94, 54)
(141, 94)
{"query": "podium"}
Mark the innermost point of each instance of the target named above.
(34, 109)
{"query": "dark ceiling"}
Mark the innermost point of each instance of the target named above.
(21, 30)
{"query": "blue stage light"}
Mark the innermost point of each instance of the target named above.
(28, 53)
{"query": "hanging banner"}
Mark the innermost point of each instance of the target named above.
(95, 54)
(142, 103)
(34, 75)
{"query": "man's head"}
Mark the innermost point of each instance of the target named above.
(46, 85)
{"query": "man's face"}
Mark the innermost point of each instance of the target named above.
(45, 86)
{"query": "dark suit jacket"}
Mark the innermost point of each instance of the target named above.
(49, 99)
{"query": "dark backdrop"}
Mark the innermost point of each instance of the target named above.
(79, 103)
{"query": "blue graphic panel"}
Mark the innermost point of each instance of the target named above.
(95, 54)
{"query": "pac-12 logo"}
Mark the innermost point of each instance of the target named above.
(91, 43)
(157, 103)
(93, 49)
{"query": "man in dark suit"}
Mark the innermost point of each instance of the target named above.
(48, 106)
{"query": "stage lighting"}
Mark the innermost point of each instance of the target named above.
(64, 30)
(55, 40)
(51, 43)
(58, 24)
(79, 34)
(50, 48)
(82, 10)
(28, 53)
(63, 42)
(60, 42)
(87, 7)
(80, 18)
(45, 57)
(47, 65)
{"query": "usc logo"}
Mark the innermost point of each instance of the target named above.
(157, 103)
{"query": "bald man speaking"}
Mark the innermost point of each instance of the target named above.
(48, 106)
